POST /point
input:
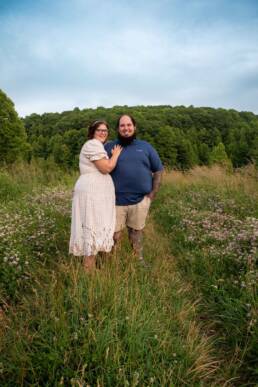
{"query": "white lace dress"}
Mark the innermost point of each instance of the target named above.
(93, 206)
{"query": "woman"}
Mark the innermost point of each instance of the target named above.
(93, 207)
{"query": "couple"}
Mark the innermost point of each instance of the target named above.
(117, 183)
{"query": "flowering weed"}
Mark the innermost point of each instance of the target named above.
(212, 226)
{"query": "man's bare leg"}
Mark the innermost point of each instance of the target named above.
(135, 238)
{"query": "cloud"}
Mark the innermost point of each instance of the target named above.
(59, 55)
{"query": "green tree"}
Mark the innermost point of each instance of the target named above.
(186, 156)
(219, 156)
(254, 152)
(41, 147)
(165, 144)
(13, 139)
(62, 155)
(192, 132)
(203, 152)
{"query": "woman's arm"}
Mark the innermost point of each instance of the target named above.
(107, 165)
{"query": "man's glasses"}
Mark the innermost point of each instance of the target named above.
(104, 131)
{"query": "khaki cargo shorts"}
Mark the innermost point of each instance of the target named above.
(133, 216)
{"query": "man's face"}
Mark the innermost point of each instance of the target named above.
(126, 127)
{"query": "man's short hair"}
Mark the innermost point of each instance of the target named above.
(123, 115)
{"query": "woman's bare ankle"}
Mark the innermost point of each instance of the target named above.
(89, 263)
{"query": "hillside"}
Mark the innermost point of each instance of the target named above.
(183, 136)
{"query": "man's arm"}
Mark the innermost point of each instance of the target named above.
(156, 181)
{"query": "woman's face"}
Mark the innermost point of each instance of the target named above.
(101, 133)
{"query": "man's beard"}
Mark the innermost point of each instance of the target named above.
(124, 141)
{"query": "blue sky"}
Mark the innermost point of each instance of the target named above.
(60, 54)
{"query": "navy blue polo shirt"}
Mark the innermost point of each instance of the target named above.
(132, 175)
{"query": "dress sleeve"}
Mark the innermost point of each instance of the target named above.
(94, 150)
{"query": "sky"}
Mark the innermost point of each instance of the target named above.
(56, 55)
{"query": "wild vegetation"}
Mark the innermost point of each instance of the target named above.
(189, 318)
(211, 221)
(13, 138)
(183, 136)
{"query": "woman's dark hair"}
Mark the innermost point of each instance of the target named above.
(94, 126)
(123, 115)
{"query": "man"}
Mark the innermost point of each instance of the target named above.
(137, 178)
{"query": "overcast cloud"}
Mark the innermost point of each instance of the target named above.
(56, 56)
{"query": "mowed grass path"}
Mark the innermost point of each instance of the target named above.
(126, 325)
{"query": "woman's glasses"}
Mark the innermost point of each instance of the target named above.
(104, 131)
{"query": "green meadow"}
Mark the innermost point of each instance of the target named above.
(187, 318)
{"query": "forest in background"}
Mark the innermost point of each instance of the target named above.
(183, 136)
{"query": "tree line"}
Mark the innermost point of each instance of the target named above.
(183, 136)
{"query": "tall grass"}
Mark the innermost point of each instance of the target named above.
(32, 222)
(211, 220)
(39, 172)
(125, 325)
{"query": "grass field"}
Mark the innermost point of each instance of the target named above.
(211, 221)
(188, 319)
